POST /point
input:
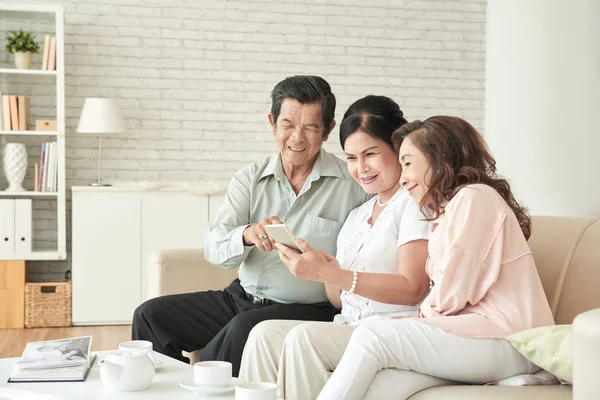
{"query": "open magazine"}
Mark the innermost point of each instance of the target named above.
(54, 360)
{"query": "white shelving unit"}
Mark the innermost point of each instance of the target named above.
(25, 71)
(47, 13)
(30, 133)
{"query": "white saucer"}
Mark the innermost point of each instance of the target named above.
(190, 385)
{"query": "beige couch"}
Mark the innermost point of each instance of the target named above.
(567, 254)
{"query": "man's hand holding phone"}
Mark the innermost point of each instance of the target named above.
(256, 235)
(282, 234)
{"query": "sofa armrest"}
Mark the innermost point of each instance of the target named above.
(586, 355)
(184, 271)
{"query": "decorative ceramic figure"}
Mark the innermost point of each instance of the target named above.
(15, 166)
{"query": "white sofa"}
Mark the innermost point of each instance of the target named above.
(567, 254)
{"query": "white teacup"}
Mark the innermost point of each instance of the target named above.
(256, 391)
(212, 373)
(143, 346)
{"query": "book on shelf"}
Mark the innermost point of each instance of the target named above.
(6, 113)
(61, 360)
(52, 56)
(47, 172)
(35, 176)
(46, 52)
(24, 118)
(49, 57)
(16, 114)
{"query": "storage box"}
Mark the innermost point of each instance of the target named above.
(45, 125)
(47, 304)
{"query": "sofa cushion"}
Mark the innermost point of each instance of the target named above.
(468, 392)
(554, 241)
(580, 288)
(540, 378)
(548, 347)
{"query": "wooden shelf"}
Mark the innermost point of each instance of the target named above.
(29, 133)
(28, 194)
(37, 256)
(27, 71)
(25, 9)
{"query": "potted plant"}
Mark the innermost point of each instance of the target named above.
(22, 45)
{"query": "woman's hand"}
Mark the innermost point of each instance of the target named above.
(310, 265)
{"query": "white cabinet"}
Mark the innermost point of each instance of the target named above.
(114, 232)
(171, 220)
(15, 229)
(106, 257)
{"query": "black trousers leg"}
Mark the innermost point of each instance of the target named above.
(182, 322)
(229, 343)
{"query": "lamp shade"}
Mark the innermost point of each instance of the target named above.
(100, 115)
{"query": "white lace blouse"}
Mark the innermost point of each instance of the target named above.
(367, 248)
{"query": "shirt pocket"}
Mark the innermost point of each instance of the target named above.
(321, 233)
(323, 224)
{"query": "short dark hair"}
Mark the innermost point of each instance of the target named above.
(377, 116)
(305, 89)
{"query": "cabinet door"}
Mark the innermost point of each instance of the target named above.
(106, 257)
(7, 228)
(214, 202)
(171, 220)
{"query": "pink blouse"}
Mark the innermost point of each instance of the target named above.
(486, 284)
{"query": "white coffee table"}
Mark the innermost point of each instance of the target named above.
(165, 384)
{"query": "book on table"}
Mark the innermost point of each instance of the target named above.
(62, 360)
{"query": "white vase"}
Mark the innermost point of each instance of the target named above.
(23, 59)
(15, 166)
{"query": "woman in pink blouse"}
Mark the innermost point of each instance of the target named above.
(484, 283)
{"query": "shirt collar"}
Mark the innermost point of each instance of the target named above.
(273, 167)
(325, 165)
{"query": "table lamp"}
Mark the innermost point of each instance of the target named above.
(100, 116)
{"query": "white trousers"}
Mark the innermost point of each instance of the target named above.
(375, 360)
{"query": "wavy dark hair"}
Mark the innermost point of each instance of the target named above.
(458, 156)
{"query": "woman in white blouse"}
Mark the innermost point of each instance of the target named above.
(382, 245)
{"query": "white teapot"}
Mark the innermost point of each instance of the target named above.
(126, 371)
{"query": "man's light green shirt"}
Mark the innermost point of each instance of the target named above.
(316, 214)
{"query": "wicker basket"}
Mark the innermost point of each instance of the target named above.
(47, 304)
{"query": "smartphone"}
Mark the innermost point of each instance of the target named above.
(283, 234)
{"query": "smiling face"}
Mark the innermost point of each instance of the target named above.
(299, 132)
(373, 164)
(416, 170)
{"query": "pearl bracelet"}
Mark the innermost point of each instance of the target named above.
(354, 280)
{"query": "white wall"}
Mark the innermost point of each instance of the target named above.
(193, 77)
(543, 102)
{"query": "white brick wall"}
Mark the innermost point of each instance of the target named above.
(193, 77)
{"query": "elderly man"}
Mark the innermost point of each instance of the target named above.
(302, 186)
